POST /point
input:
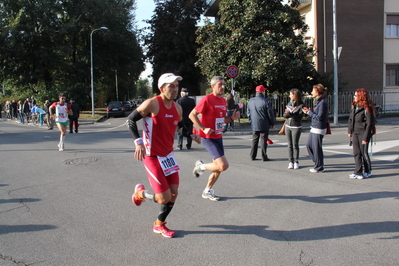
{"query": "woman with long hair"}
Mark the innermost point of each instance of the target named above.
(360, 125)
(293, 127)
(318, 115)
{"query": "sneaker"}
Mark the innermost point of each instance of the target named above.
(316, 171)
(296, 166)
(61, 147)
(137, 200)
(197, 169)
(366, 175)
(162, 229)
(210, 195)
(290, 166)
(354, 176)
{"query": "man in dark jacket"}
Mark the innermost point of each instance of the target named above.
(73, 119)
(187, 105)
(261, 116)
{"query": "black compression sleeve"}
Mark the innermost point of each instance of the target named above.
(132, 125)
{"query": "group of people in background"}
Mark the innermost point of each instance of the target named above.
(61, 113)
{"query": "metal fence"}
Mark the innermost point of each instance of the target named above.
(388, 101)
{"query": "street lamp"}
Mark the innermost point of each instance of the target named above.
(92, 68)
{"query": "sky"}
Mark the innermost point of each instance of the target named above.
(145, 10)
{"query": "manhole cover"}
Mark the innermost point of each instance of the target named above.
(79, 161)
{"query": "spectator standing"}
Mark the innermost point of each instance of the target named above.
(261, 116)
(161, 116)
(14, 109)
(73, 119)
(293, 127)
(318, 128)
(26, 110)
(20, 112)
(8, 110)
(212, 108)
(187, 105)
(49, 121)
(360, 125)
(231, 106)
(61, 110)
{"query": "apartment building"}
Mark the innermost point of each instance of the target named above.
(367, 37)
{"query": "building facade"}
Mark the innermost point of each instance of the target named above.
(367, 37)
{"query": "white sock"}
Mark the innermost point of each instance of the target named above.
(147, 195)
(202, 167)
(206, 190)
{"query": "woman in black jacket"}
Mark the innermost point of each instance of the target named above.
(360, 124)
(293, 127)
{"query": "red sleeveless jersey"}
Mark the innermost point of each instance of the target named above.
(159, 130)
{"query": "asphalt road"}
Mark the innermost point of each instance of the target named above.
(74, 207)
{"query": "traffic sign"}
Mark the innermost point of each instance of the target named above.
(232, 71)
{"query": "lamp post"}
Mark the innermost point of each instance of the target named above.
(92, 68)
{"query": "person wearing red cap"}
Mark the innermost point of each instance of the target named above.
(160, 115)
(261, 116)
(212, 108)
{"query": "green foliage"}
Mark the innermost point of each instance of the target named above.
(45, 47)
(171, 43)
(263, 38)
(143, 89)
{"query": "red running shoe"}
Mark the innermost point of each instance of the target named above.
(269, 141)
(162, 229)
(137, 200)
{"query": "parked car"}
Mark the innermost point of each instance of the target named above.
(139, 101)
(115, 109)
(133, 104)
(128, 105)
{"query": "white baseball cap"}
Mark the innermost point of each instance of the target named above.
(167, 78)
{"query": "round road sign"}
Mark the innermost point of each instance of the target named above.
(232, 72)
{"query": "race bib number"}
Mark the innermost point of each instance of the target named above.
(219, 125)
(169, 164)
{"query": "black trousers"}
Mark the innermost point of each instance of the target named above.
(263, 136)
(293, 134)
(361, 155)
(71, 122)
(189, 139)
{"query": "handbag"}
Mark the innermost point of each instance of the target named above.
(282, 130)
(328, 132)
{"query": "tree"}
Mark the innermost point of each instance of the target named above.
(263, 38)
(171, 43)
(45, 47)
(143, 88)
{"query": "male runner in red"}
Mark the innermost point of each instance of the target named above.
(161, 115)
(210, 128)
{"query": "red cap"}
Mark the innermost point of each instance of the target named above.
(260, 88)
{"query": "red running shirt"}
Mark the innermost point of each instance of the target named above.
(213, 110)
(159, 130)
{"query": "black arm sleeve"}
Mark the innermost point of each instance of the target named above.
(132, 125)
(183, 130)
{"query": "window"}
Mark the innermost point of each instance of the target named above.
(392, 27)
(392, 75)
